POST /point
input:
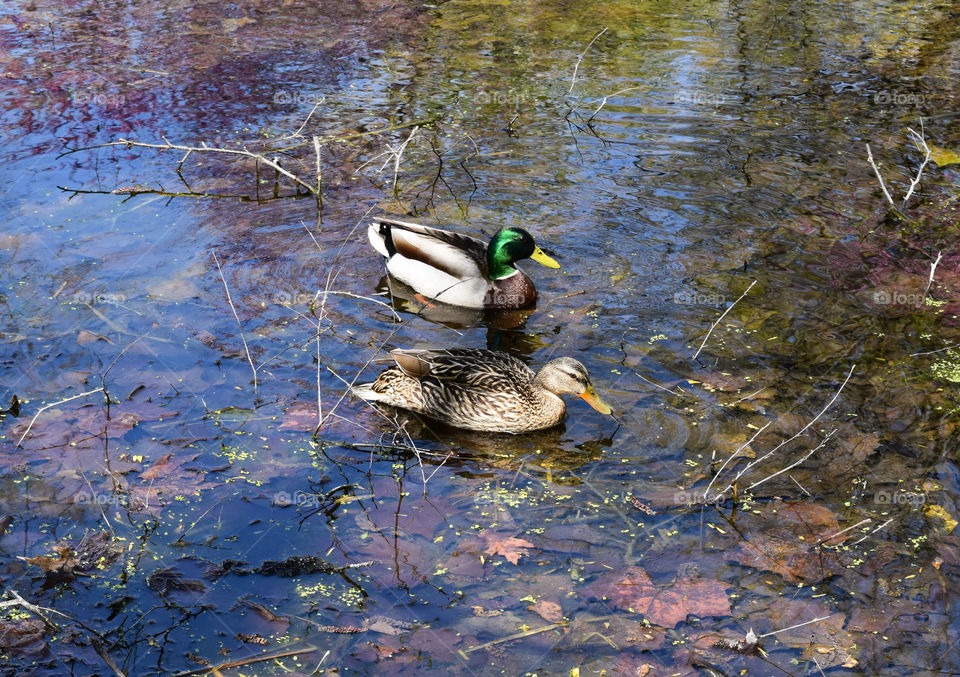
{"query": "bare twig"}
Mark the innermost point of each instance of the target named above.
(96, 640)
(678, 391)
(516, 635)
(204, 148)
(197, 521)
(866, 536)
(802, 488)
(322, 314)
(729, 308)
(933, 352)
(747, 397)
(706, 492)
(260, 658)
(792, 627)
(810, 453)
(394, 153)
(876, 170)
(246, 349)
(573, 80)
(604, 102)
(296, 134)
(922, 146)
(93, 494)
(316, 149)
(107, 658)
(933, 270)
(445, 459)
(804, 429)
(54, 404)
(842, 531)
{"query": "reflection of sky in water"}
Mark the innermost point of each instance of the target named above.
(661, 211)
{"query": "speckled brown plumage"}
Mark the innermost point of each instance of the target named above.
(481, 389)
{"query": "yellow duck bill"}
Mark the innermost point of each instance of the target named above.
(543, 259)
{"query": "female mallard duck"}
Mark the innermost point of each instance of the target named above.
(459, 269)
(481, 389)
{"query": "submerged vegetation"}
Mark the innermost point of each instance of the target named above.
(755, 210)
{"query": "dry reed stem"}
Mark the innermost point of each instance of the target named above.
(99, 504)
(516, 635)
(316, 149)
(246, 349)
(933, 352)
(866, 536)
(260, 658)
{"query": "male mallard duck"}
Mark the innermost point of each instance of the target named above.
(481, 389)
(459, 269)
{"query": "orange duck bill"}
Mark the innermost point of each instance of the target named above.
(591, 397)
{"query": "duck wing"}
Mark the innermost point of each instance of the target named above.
(459, 256)
(468, 366)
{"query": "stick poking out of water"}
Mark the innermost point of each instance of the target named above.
(720, 318)
(573, 80)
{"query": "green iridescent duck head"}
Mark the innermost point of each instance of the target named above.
(510, 245)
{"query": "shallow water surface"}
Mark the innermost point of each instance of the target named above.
(177, 323)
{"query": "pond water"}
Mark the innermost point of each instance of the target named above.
(778, 341)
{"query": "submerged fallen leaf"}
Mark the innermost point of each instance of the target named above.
(635, 591)
(95, 551)
(61, 566)
(296, 565)
(944, 156)
(165, 466)
(508, 546)
(548, 611)
(22, 637)
(485, 613)
(85, 336)
(826, 639)
(939, 512)
(232, 24)
(300, 417)
(783, 539)
(165, 581)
